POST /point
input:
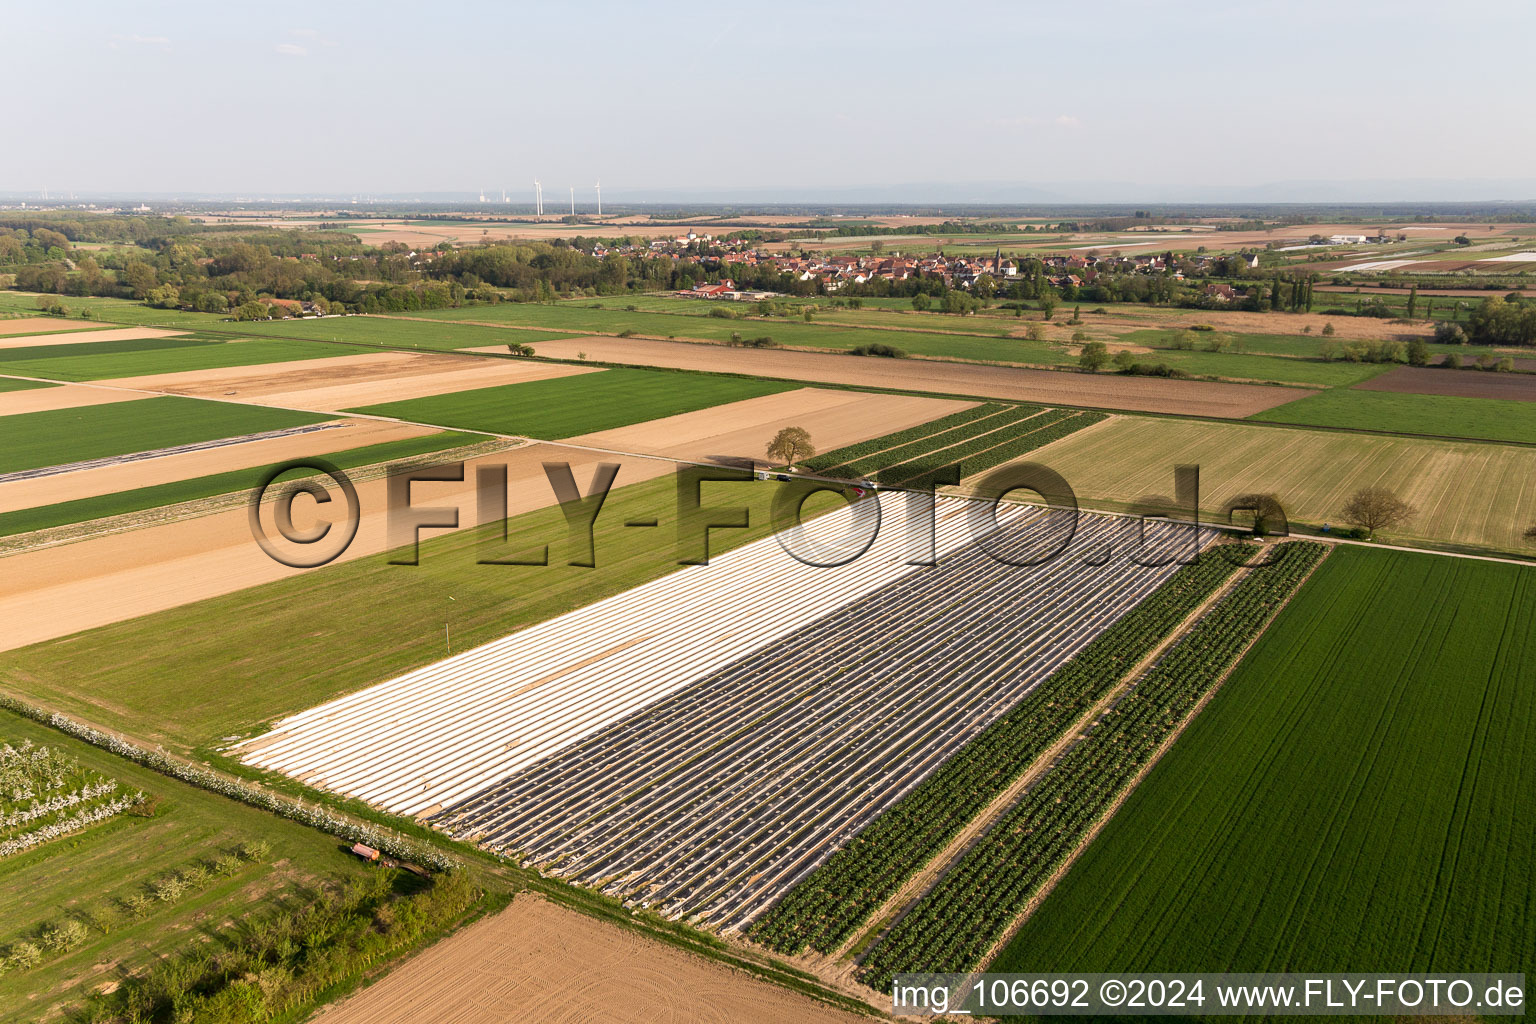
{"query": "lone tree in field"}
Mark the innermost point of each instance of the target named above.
(1376, 508)
(1268, 514)
(790, 445)
(1530, 534)
(1094, 357)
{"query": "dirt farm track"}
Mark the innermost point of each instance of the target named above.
(536, 961)
(1049, 387)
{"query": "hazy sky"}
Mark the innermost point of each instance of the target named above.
(385, 97)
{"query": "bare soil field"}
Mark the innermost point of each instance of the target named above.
(468, 232)
(1186, 236)
(52, 592)
(86, 337)
(1366, 291)
(36, 324)
(1420, 380)
(536, 961)
(87, 483)
(65, 396)
(728, 433)
(1122, 320)
(1048, 387)
(327, 385)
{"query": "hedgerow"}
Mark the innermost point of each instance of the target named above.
(312, 815)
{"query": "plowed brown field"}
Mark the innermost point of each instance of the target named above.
(37, 324)
(55, 591)
(1421, 380)
(83, 337)
(1048, 387)
(328, 385)
(66, 396)
(743, 429)
(536, 961)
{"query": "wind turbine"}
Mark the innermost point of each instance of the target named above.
(573, 200)
(599, 187)
(538, 198)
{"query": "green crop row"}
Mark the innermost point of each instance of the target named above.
(977, 458)
(971, 437)
(826, 907)
(957, 922)
(853, 453)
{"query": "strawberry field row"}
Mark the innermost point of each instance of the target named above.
(825, 908)
(954, 925)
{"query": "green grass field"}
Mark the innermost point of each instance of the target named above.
(1478, 495)
(1301, 346)
(1447, 416)
(84, 876)
(110, 359)
(276, 649)
(13, 384)
(397, 333)
(568, 406)
(113, 311)
(1356, 798)
(139, 499)
(60, 436)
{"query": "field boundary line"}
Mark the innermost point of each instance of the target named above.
(1049, 885)
(937, 866)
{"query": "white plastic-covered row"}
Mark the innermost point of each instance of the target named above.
(433, 736)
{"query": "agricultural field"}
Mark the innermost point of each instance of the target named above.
(974, 440)
(348, 379)
(824, 910)
(56, 513)
(567, 406)
(800, 717)
(41, 440)
(1365, 693)
(1488, 419)
(1466, 383)
(107, 897)
(1023, 384)
(250, 655)
(140, 358)
(1477, 496)
(737, 432)
(403, 330)
(972, 906)
(537, 960)
(114, 311)
(17, 384)
(90, 336)
(573, 320)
